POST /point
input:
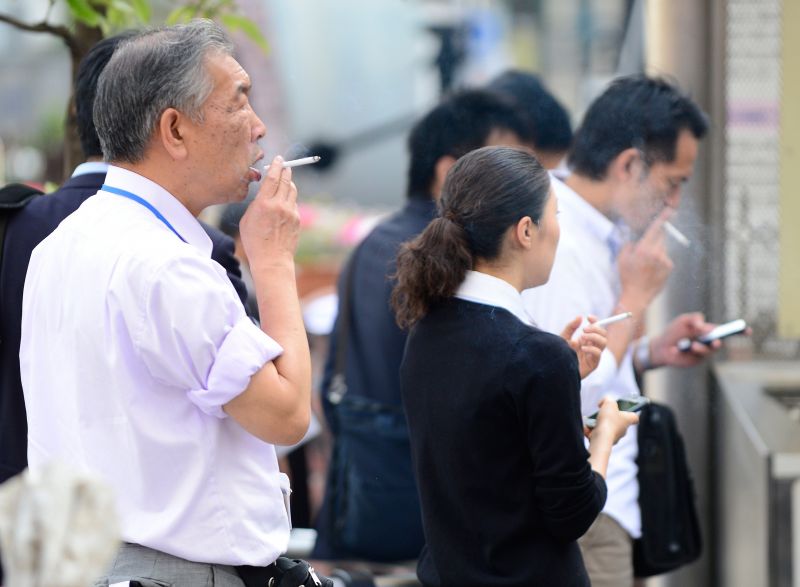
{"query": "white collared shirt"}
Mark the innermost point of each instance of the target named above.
(482, 288)
(90, 167)
(585, 280)
(132, 341)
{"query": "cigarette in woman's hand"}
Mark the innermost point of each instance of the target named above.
(613, 319)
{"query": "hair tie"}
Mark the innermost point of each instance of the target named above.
(449, 215)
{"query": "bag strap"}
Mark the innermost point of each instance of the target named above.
(13, 197)
(338, 383)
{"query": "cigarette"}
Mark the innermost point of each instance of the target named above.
(677, 234)
(303, 161)
(614, 319)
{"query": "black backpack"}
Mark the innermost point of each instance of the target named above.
(670, 526)
(13, 197)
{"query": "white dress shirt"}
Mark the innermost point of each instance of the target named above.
(585, 280)
(132, 341)
(482, 288)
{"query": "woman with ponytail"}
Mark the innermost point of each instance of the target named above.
(493, 403)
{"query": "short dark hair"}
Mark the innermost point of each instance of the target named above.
(89, 70)
(459, 124)
(634, 112)
(550, 128)
(486, 192)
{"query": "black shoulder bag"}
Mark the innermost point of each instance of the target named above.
(13, 197)
(670, 526)
(374, 504)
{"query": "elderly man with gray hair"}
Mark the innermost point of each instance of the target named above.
(138, 361)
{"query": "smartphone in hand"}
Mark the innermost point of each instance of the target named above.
(722, 331)
(634, 404)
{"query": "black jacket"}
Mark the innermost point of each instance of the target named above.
(493, 410)
(26, 229)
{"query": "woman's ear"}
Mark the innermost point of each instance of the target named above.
(525, 232)
(171, 133)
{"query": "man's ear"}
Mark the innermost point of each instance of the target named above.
(440, 170)
(171, 127)
(626, 164)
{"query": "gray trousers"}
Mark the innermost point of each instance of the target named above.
(152, 568)
(608, 553)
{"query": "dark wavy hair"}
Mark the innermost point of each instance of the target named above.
(486, 192)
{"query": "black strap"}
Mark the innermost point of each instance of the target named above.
(338, 386)
(13, 197)
(284, 572)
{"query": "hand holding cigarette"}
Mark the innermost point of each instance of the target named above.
(589, 345)
(644, 266)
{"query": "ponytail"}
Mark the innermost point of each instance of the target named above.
(429, 269)
(485, 193)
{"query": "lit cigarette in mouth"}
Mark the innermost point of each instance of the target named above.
(677, 234)
(299, 162)
(614, 319)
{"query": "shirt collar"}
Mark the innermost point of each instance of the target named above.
(168, 205)
(492, 291)
(90, 167)
(591, 219)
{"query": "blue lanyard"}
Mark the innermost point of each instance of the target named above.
(143, 202)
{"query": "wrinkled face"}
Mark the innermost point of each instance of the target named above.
(660, 185)
(226, 145)
(547, 236)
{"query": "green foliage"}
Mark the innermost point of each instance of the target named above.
(111, 16)
(82, 11)
(236, 22)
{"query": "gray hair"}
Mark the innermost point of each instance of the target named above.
(158, 69)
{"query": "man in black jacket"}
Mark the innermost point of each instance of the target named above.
(30, 225)
(371, 508)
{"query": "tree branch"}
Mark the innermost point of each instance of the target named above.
(42, 27)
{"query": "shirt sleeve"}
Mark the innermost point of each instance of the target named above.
(193, 334)
(569, 493)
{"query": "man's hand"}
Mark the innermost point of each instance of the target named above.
(270, 228)
(664, 350)
(644, 267)
(589, 346)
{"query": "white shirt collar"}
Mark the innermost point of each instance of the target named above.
(492, 291)
(90, 167)
(590, 217)
(168, 205)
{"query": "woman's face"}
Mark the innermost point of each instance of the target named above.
(543, 252)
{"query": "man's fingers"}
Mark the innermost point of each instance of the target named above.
(655, 232)
(271, 185)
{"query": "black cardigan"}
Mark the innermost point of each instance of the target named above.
(493, 408)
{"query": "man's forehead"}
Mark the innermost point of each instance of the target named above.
(226, 70)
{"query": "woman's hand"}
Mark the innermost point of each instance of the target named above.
(611, 422)
(588, 346)
(611, 426)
